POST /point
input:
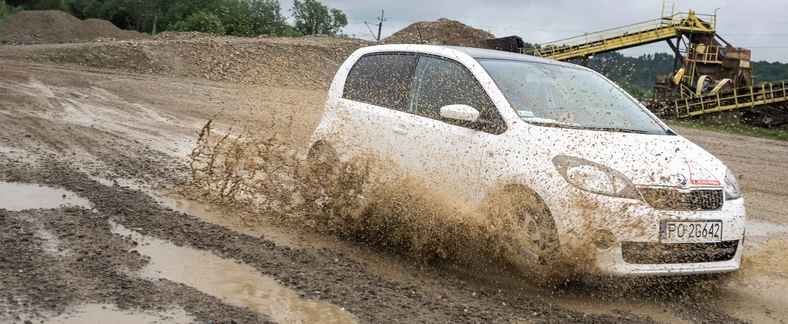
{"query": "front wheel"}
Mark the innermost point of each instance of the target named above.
(532, 231)
(538, 235)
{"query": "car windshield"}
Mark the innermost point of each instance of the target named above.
(562, 96)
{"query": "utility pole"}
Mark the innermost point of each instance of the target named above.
(380, 26)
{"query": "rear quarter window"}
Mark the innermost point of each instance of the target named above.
(381, 79)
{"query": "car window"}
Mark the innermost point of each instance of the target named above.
(439, 82)
(564, 96)
(381, 79)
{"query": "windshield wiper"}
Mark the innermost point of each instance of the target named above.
(623, 130)
(607, 129)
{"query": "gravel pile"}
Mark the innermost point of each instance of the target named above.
(53, 26)
(305, 63)
(442, 31)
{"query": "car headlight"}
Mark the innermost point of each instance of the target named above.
(732, 188)
(594, 177)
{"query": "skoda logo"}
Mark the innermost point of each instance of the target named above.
(681, 179)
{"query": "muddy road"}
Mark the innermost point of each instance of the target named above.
(93, 230)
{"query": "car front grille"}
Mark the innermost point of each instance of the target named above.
(660, 253)
(673, 199)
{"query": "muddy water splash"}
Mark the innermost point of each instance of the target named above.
(237, 284)
(366, 200)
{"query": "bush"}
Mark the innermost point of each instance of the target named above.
(636, 91)
(200, 22)
(7, 10)
(50, 5)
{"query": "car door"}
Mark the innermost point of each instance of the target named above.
(375, 96)
(446, 155)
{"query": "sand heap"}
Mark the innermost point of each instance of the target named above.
(442, 31)
(53, 26)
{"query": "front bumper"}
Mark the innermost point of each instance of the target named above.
(611, 262)
(636, 249)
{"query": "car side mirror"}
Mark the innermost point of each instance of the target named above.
(460, 112)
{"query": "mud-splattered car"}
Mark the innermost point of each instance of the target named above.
(607, 177)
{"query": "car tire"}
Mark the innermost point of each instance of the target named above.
(536, 235)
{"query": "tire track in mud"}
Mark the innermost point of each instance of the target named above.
(37, 284)
(335, 278)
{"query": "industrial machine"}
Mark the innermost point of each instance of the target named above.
(710, 75)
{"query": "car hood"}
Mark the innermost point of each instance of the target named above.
(658, 160)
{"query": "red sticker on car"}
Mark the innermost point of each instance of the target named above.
(700, 175)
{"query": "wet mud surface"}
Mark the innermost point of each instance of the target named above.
(88, 234)
(97, 254)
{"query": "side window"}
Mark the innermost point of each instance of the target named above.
(381, 79)
(440, 82)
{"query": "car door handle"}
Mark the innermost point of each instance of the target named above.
(400, 130)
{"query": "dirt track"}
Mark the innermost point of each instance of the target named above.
(117, 139)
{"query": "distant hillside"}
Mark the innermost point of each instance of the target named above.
(637, 74)
(768, 72)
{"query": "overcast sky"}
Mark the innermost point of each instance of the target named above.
(759, 25)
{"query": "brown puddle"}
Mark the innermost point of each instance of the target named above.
(221, 217)
(234, 283)
(106, 313)
(22, 196)
(381, 263)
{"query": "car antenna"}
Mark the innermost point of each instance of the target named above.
(419, 30)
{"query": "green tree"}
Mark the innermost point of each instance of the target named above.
(7, 10)
(266, 17)
(234, 16)
(50, 5)
(232, 13)
(201, 22)
(126, 14)
(311, 17)
(769, 71)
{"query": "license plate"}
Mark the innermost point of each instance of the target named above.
(691, 232)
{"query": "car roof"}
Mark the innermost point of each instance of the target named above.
(483, 53)
(479, 53)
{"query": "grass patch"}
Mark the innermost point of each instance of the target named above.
(732, 126)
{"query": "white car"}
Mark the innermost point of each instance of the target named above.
(605, 171)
